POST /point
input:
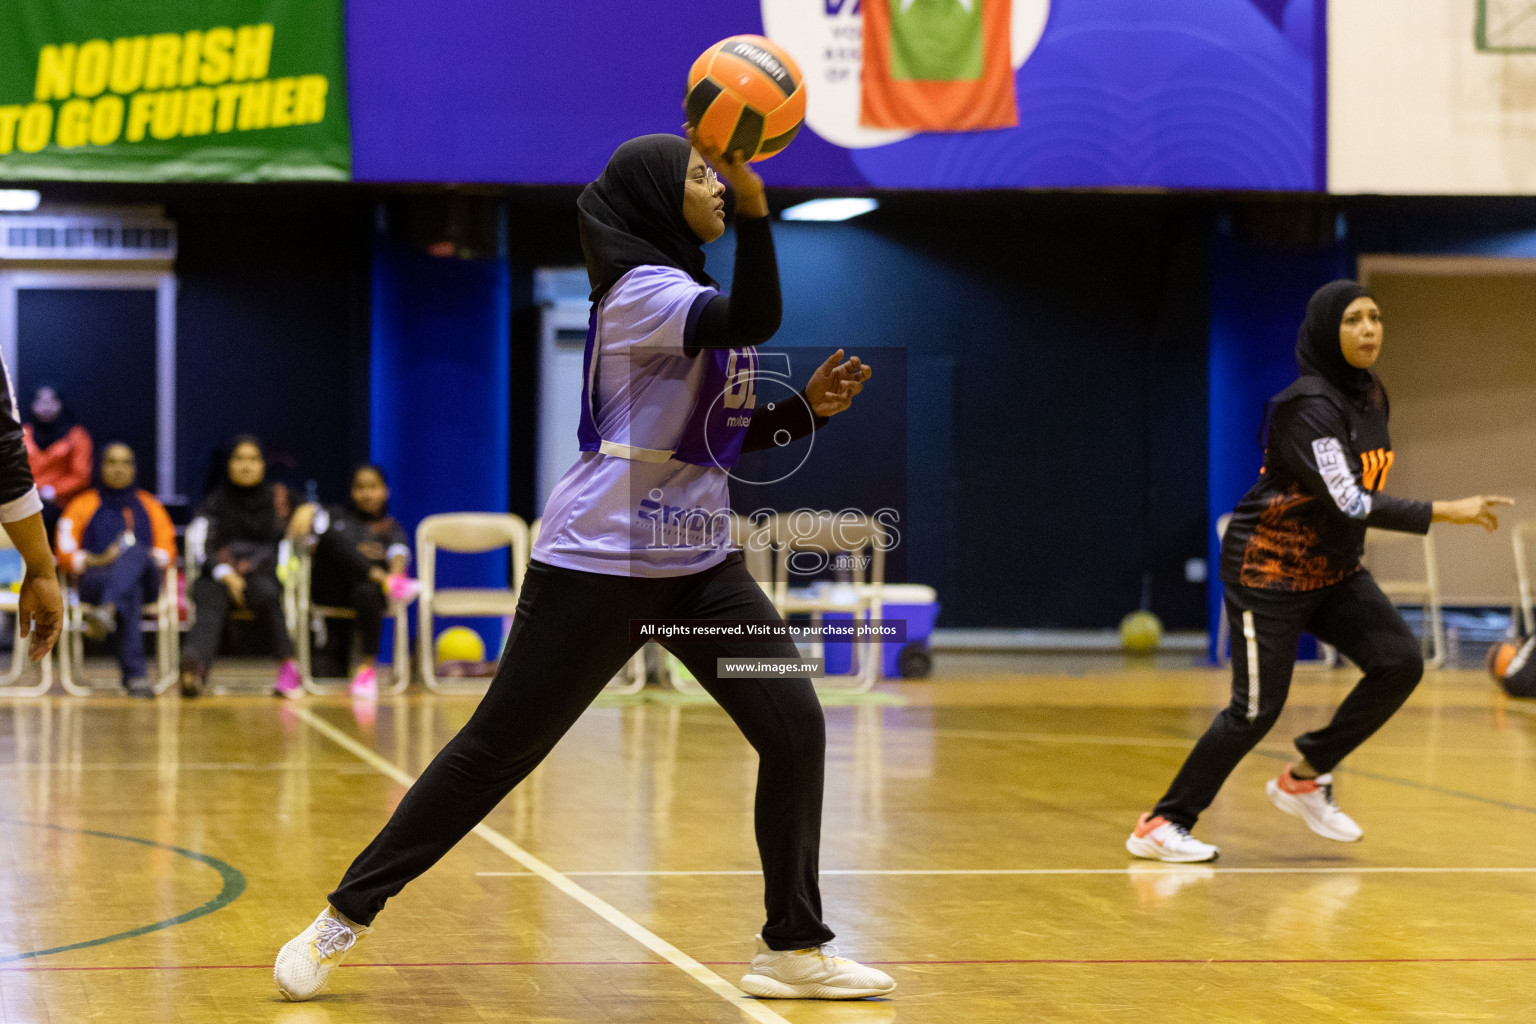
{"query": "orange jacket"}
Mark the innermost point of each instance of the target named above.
(78, 515)
(65, 465)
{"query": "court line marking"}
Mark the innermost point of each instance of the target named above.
(233, 885)
(1042, 961)
(180, 766)
(1421, 786)
(1186, 870)
(1184, 742)
(602, 908)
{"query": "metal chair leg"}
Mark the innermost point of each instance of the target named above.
(400, 668)
(634, 669)
(18, 659)
(1435, 625)
(18, 666)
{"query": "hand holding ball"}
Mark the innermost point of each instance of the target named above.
(745, 95)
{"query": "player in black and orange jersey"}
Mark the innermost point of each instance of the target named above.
(1291, 563)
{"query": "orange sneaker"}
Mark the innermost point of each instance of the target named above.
(1311, 800)
(1160, 839)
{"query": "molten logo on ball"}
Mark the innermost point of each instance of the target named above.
(745, 95)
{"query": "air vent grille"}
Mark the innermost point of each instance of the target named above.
(74, 237)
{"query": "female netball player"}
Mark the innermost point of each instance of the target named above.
(1291, 562)
(634, 531)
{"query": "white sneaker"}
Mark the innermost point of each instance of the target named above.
(814, 973)
(1311, 800)
(1160, 839)
(305, 963)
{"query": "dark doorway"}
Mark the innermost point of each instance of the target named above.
(97, 346)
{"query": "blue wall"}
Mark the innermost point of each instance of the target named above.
(441, 374)
(1056, 394)
(1177, 94)
(1258, 295)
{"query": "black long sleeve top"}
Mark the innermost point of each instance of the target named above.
(751, 313)
(18, 494)
(747, 317)
(1302, 526)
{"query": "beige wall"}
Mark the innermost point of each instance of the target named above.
(1415, 108)
(1459, 361)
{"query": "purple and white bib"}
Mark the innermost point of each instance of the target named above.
(659, 432)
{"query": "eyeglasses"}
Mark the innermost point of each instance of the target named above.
(710, 181)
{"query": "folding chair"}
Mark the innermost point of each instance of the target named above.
(845, 535)
(1523, 533)
(310, 618)
(158, 616)
(1424, 590)
(10, 602)
(468, 533)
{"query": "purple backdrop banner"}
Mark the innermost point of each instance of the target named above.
(1208, 94)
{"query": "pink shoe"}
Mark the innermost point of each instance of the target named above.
(400, 587)
(365, 683)
(289, 683)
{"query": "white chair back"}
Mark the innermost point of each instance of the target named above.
(846, 533)
(1403, 563)
(1523, 537)
(467, 533)
(470, 533)
(1406, 569)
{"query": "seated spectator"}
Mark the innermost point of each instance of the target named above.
(59, 451)
(240, 523)
(358, 547)
(117, 540)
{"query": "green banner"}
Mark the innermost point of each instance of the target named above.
(173, 90)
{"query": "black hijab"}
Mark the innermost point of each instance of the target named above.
(632, 215)
(1319, 352)
(45, 435)
(242, 513)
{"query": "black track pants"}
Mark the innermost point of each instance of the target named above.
(367, 600)
(263, 597)
(570, 635)
(1354, 616)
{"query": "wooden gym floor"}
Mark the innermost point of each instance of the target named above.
(156, 856)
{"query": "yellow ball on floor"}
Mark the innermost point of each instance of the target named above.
(1141, 632)
(460, 643)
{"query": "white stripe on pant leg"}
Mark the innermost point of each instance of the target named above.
(1251, 637)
